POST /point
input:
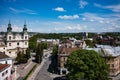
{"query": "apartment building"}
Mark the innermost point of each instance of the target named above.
(7, 71)
(66, 47)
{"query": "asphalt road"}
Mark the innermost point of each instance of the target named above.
(43, 74)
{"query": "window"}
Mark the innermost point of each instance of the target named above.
(5, 62)
(9, 37)
(18, 43)
(6, 71)
(112, 65)
(25, 43)
(9, 44)
(9, 52)
(25, 37)
(2, 74)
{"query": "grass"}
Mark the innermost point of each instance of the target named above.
(33, 68)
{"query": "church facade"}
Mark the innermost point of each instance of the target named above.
(13, 42)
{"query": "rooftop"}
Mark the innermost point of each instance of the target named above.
(2, 55)
(3, 66)
(107, 50)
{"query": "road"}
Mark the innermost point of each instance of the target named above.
(43, 74)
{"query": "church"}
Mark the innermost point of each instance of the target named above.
(13, 42)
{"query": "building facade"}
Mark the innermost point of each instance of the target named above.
(112, 57)
(65, 48)
(7, 71)
(13, 42)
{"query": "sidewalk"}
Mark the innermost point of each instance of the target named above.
(22, 70)
(33, 75)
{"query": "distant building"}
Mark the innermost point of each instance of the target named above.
(11, 43)
(50, 42)
(7, 71)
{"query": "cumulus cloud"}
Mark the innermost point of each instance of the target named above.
(60, 9)
(114, 8)
(69, 16)
(82, 3)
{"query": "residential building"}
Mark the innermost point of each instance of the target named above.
(112, 56)
(7, 71)
(66, 47)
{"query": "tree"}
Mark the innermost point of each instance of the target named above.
(86, 65)
(27, 55)
(53, 65)
(44, 45)
(21, 58)
(55, 50)
(89, 43)
(39, 53)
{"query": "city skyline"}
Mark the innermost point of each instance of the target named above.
(57, 16)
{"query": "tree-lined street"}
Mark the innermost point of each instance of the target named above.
(43, 73)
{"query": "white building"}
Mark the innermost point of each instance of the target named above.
(50, 42)
(6, 68)
(11, 43)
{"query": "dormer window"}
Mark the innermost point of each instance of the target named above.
(9, 37)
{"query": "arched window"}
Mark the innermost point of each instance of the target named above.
(25, 37)
(9, 37)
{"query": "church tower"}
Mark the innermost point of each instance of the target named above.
(25, 28)
(9, 28)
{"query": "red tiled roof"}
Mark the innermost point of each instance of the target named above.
(3, 66)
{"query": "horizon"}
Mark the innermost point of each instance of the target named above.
(61, 16)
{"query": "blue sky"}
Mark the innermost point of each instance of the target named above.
(49, 16)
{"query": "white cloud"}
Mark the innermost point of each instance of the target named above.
(16, 28)
(69, 16)
(82, 3)
(114, 8)
(71, 27)
(60, 9)
(83, 19)
(24, 10)
(3, 28)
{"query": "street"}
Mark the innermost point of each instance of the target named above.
(43, 74)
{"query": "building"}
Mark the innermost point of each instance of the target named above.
(50, 42)
(112, 58)
(13, 42)
(66, 47)
(7, 71)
